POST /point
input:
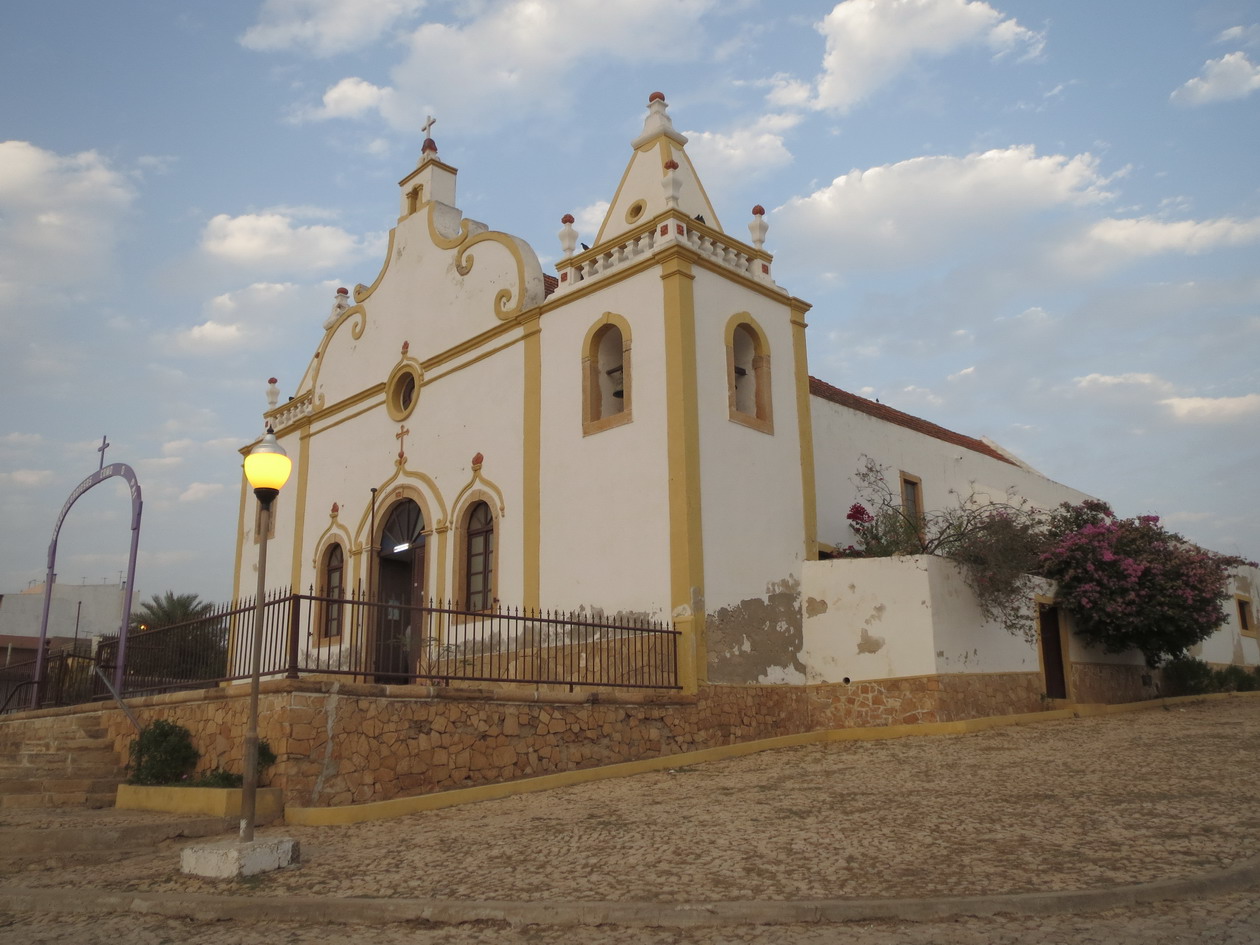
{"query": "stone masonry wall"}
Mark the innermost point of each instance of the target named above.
(346, 743)
(1110, 682)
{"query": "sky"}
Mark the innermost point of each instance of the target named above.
(1036, 222)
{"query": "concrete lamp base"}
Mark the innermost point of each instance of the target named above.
(231, 859)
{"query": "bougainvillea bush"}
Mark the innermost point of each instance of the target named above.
(1126, 583)
(1132, 584)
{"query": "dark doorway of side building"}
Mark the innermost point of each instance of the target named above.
(1052, 661)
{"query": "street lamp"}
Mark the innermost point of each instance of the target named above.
(267, 468)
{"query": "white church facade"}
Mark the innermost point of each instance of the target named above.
(639, 434)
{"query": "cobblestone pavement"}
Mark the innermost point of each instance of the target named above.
(1079, 804)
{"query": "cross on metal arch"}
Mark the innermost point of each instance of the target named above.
(105, 444)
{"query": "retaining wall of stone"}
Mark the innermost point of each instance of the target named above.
(346, 743)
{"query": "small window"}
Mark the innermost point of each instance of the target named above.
(479, 558)
(606, 375)
(401, 390)
(748, 376)
(332, 588)
(912, 497)
(1245, 621)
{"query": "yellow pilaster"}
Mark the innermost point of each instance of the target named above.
(686, 541)
(298, 505)
(805, 425)
(531, 479)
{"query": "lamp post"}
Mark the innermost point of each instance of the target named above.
(267, 468)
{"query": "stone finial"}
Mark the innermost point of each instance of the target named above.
(568, 236)
(671, 184)
(758, 227)
(658, 122)
(273, 393)
(334, 511)
(477, 460)
(341, 302)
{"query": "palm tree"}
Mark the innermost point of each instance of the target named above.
(163, 610)
(195, 647)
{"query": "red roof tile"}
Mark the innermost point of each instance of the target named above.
(550, 284)
(891, 415)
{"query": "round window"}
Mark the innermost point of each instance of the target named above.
(635, 211)
(402, 391)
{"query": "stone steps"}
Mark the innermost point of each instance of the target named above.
(58, 762)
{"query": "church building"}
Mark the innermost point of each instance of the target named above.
(639, 434)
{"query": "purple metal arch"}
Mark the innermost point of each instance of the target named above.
(105, 472)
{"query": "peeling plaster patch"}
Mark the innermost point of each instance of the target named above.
(757, 638)
(814, 607)
(870, 644)
(877, 614)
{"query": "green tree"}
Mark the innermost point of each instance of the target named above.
(165, 610)
(177, 637)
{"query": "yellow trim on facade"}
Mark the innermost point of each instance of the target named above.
(805, 430)
(531, 473)
(299, 511)
(361, 291)
(686, 537)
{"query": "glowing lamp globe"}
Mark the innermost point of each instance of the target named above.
(267, 466)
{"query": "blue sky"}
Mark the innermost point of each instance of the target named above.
(1034, 222)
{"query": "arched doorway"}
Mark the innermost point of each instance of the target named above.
(399, 593)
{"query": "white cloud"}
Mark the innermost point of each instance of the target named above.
(588, 219)
(1232, 76)
(27, 477)
(21, 440)
(512, 56)
(198, 491)
(743, 154)
(1213, 409)
(59, 218)
(1116, 381)
(241, 317)
(352, 97)
(869, 42)
(915, 210)
(325, 27)
(965, 372)
(1244, 35)
(273, 240)
(1110, 242)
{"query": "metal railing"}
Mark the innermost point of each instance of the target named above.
(368, 641)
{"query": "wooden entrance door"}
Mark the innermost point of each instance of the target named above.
(1052, 663)
(399, 594)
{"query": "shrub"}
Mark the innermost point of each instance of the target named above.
(1186, 676)
(1132, 584)
(162, 754)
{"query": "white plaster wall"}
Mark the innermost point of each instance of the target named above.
(843, 435)
(867, 618)
(1229, 644)
(753, 511)
(424, 300)
(965, 641)
(604, 500)
(100, 613)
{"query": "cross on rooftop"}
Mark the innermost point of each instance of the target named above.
(430, 121)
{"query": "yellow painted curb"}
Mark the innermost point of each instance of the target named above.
(212, 802)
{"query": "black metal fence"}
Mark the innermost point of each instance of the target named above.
(368, 641)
